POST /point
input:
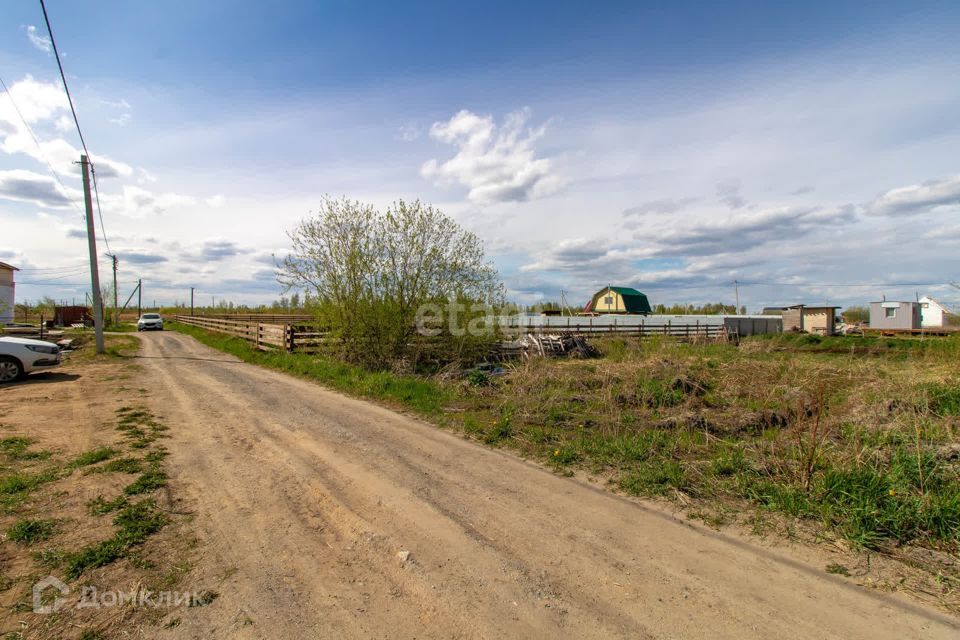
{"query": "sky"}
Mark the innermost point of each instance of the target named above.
(807, 151)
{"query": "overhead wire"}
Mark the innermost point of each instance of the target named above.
(76, 121)
(53, 172)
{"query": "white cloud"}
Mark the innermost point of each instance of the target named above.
(36, 100)
(917, 198)
(39, 103)
(215, 202)
(26, 186)
(496, 165)
(137, 202)
(40, 42)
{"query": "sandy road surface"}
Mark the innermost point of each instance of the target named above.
(303, 499)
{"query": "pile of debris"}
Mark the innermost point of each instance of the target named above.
(548, 344)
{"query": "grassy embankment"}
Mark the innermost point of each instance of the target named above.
(855, 435)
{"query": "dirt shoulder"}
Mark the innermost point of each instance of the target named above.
(321, 515)
(87, 505)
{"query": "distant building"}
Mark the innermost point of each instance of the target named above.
(932, 313)
(895, 315)
(7, 291)
(773, 311)
(67, 315)
(810, 319)
(618, 300)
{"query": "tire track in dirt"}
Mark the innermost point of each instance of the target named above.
(310, 494)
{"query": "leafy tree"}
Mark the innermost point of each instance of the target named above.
(856, 314)
(371, 274)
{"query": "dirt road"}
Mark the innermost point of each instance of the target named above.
(304, 499)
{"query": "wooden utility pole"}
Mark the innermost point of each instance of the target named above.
(736, 289)
(191, 300)
(92, 245)
(139, 298)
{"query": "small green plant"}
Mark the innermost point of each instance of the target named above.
(150, 480)
(654, 477)
(658, 394)
(135, 523)
(943, 399)
(15, 448)
(29, 531)
(729, 462)
(478, 378)
(565, 455)
(500, 430)
(99, 506)
(50, 558)
(120, 465)
(93, 457)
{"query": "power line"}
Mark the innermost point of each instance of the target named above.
(36, 270)
(43, 271)
(33, 136)
(76, 121)
(63, 77)
(96, 193)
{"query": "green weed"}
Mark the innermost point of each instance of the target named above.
(28, 531)
(93, 457)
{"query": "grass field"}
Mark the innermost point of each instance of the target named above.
(859, 437)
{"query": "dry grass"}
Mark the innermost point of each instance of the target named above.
(854, 434)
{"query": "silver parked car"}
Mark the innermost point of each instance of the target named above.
(150, 321)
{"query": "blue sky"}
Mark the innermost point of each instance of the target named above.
(673, 147)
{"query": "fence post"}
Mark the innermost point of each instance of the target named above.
(258, 335)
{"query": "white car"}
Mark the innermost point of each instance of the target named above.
(20, 356)
(150, 321)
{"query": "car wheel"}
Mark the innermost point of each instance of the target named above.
(10, 369)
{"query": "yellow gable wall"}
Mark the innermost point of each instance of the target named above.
(615, 305)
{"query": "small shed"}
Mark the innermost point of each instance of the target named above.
(810, 319)
(619, 300)
(65, 316)
(933, 315)
(7, 292)
(895, 315)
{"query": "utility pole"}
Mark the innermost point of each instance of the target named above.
(92, 245)
(116, 316)
(736, 289)
(191, 300)
(139, 298)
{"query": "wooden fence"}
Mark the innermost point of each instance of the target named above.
(269, 334)
(265, 335)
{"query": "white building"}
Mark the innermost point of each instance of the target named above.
(7, 287)
(933, 314)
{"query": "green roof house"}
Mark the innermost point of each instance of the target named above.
(618, 300)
